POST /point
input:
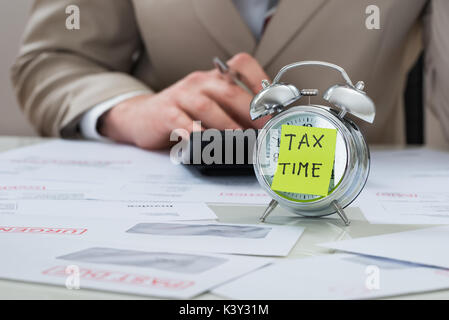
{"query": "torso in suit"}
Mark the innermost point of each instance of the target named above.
(129, 45)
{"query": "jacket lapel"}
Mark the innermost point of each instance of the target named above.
(290, 18)
(224, 24)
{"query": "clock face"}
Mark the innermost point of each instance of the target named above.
(268, 152)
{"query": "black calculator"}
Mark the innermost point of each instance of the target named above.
(236, 148)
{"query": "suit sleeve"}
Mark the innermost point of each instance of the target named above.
(61, 73)
(436, 41)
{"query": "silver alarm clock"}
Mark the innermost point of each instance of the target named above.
(352, 160)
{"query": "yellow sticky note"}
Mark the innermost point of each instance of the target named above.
(306, 160)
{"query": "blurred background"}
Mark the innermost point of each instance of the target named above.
(13, 15)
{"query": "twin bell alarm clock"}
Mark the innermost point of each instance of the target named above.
(311, 159)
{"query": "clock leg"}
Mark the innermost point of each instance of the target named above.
(341, 212)
(268, 210)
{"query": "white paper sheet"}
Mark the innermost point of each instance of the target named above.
(417, 169)
(427, 246)
(406, 187)
(335, 277)
(399, 206)
(267, 240)
(88, 209)
(170, 274)
(116, 172)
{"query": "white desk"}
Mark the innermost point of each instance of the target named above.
(317, 231)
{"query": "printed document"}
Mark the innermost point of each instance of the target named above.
(426, 246)
(263, 239)
(337, 276)
(89, 265)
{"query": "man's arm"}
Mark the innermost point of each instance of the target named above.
(60, 73)
(436, 40)
(91, 120)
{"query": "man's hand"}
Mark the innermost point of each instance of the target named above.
(148, 120)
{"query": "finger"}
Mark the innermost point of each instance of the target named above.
(234, 100)
(211, 115)
(250, 70)
(180, 121)
(258, 124)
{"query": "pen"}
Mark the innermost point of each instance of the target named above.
(232, 75)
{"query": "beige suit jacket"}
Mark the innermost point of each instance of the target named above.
(129, 45)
